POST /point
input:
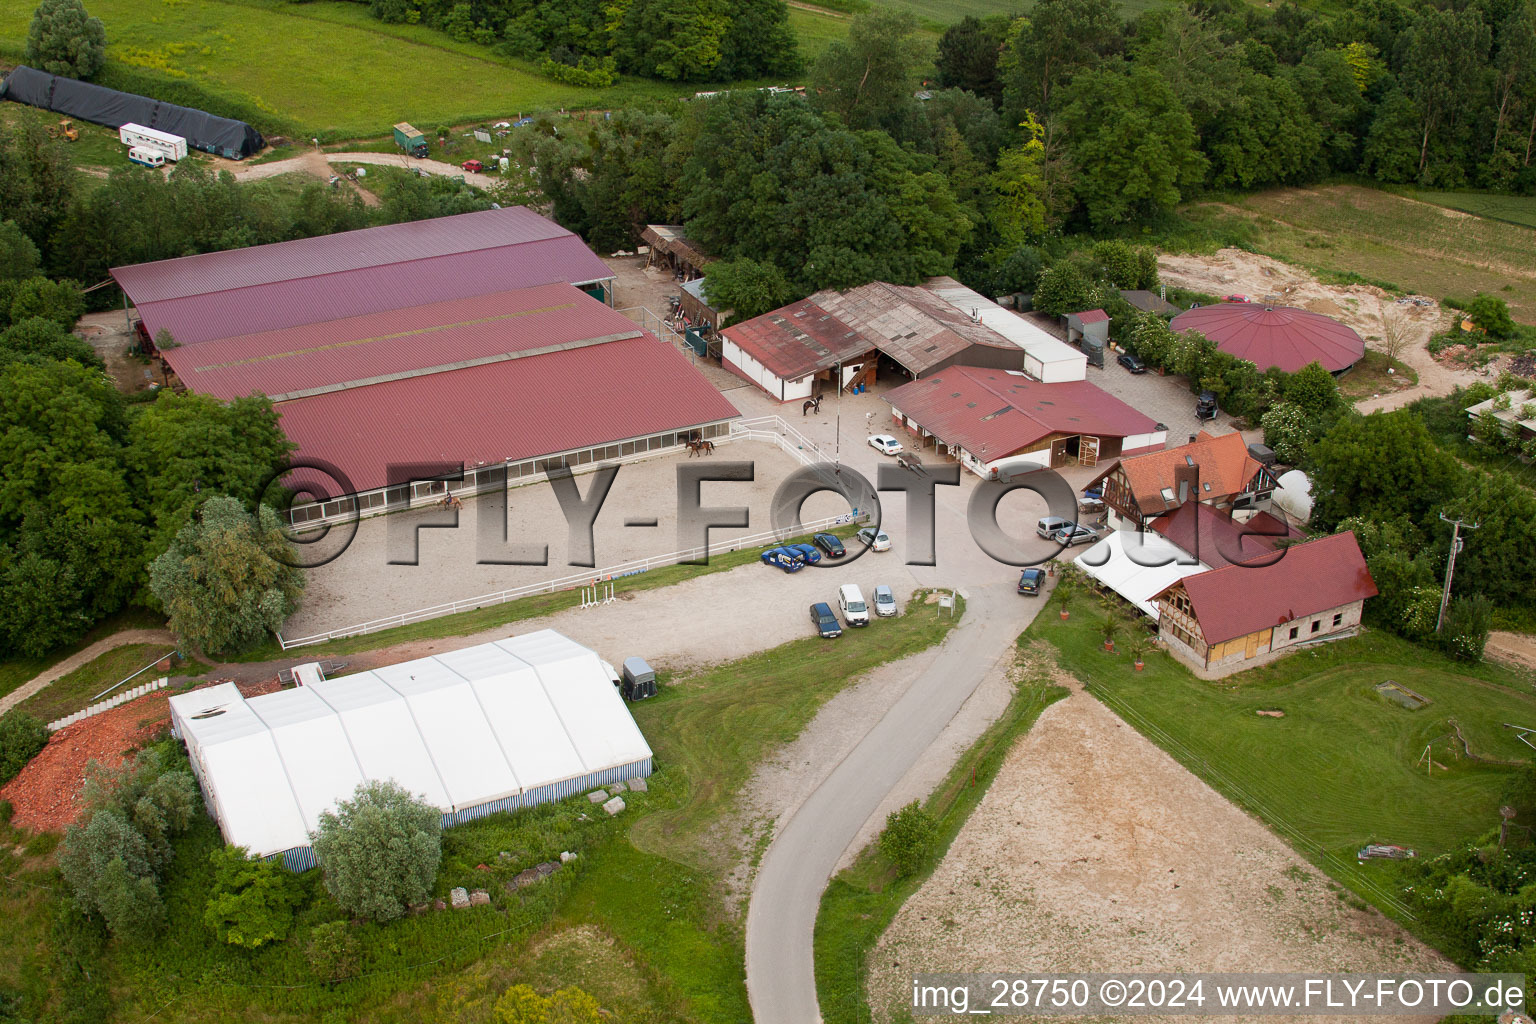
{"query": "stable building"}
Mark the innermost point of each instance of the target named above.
(510, 385)
(1000, 421)
(1245, 614)
(491, 728)
(355, 273)
(835, 340)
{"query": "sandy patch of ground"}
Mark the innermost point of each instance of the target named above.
(109, 336)
(1518, 649)
(1367, 309)
(1095, 851)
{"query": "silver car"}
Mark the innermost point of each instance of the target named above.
(1072, 534)
(885, 601)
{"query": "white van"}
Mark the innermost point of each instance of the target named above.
(146, 156)
(850, 601)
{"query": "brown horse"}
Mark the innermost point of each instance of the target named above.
(699, 446)
(811, 405)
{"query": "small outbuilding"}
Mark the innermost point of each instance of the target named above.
(1280, 336)
(1149, 302)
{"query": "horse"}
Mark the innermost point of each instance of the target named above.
(811, 405)
(699, 446)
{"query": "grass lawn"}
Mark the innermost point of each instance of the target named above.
(1370, 377)
(638, 919)
(1344, 766)
(1350, 233)
(75, 691)
(862, 900)
(946, 12)
(1515, 209)
(19, 670)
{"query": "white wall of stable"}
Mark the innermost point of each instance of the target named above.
(1046, 357)
(493, 727)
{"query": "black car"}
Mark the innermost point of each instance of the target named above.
(1205, 406)
(826, 623)
(1130, 362)
(830, 544)
(1031, 581)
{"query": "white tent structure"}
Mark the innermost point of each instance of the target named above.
(503, 725)
(1046, 357)
(1294, 495)
(1138, 565)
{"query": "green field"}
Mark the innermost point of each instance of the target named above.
(1351, 233)
(330, 68)
(1515, 209)
(946, 12)
(1344, 766)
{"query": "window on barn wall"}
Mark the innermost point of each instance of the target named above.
(396, 495)
(627, 448)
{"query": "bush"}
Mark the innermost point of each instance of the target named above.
(520, 1004)
(380, 850)
(1313, 389)
(1464, 633)
(332, 952)
(64, 40)
(1491, 313)
(1286, 432)
(746, 287)
(22, 737)
(252, 900)
(908, 836)
(1126, 266)
(589, 72)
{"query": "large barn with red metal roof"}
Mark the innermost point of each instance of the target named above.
(1280, 336)
(994, 420)
(474, 339)
(353, 273)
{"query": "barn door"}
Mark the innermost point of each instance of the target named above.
(1088, 451)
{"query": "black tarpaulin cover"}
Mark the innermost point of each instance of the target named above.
(100, 105)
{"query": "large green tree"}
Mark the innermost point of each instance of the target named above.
(1045, 50)
(228, 579)
(1379, 466)
(64, 40)
(968, 53)
(867, 79)
(1442, 65)
(1132, 143)
(380, 850)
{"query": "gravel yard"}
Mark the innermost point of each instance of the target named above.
(1095, 851)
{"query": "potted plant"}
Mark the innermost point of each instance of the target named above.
(1062, 595)
(1109, 627)
(1138, 651)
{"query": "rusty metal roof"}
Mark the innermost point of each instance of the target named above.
(913, 326)
(798, 339)
(360, 350)
(351, 273)
(999, 412)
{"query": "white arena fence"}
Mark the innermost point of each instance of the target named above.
(769, 429)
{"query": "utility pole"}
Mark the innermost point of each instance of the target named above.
(1450, 565)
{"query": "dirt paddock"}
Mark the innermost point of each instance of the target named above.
(1095, 851)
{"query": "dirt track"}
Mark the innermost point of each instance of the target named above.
(1095, 851)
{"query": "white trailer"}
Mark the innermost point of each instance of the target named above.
(173, 146)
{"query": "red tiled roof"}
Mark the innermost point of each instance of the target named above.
(797, 340)
(1224, 462)
(1308, 578)
(345, 352)
(1275, 335)
(1216, 539)
(506, 411)
(971, 406)
(352, 273)
(1092, 316)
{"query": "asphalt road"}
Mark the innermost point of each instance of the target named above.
(781, 916)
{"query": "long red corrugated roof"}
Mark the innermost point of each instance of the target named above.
(1275, 335)
(346, 352)
(1005, 411)
(507, 411)
(1308, 578)
(353, 273)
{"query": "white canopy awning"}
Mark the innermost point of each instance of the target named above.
(1138, 565)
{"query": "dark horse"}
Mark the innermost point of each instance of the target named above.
(700, 446)
(811, 405)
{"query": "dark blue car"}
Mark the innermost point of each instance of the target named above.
(829, 544)
(826, 623)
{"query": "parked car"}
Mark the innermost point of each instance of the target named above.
(850, 601)
(1075, 534)
(1031, 582)
(826, 623)
(473, 166)
(1131, 362)
(830, 545)
(876, 540)
(1049, 526)
(885, 444)
(807, 552)
(783, 558)
(885, 601)
(1236, 298)
(1206, 407)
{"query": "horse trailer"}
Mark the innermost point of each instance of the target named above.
(137, 136)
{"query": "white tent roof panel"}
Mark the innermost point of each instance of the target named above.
(1034, 340)
(462, 729)
(1138, 565)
